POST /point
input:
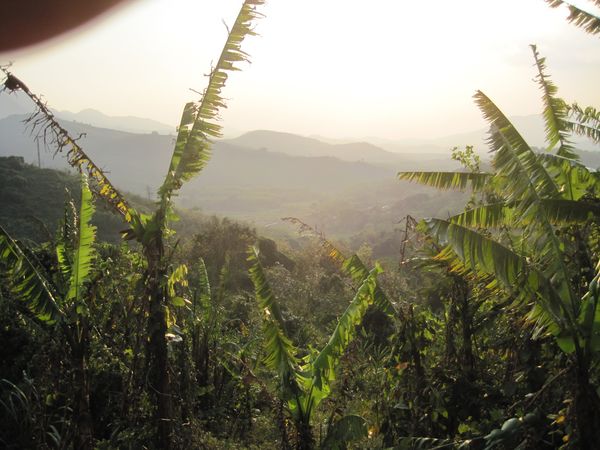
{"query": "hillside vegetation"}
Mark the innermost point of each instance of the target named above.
(135, 323)
(258, 185)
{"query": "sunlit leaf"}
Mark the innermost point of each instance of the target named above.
(84, 251)
(448, 180)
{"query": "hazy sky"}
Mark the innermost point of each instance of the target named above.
(338, 68)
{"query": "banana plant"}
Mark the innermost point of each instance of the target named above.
(60, 301)
(197, 127)
(190, 155)
(581, 18)
(531, 237)
(304, 382)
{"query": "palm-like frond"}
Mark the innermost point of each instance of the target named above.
(536, 192)
(27, 282)
(305, 385)
(478, 252)
(356, 269)
(555, 111)
(563, 211)
(483, 254)
(585, 121)
(530, 183)
(184, 130)
(486, 216)
(205, 293)
(579, 17)
(84, 252)
(50, 131)
(323, 366)
(557, 211)
(66, 239)
(572, 177)
(513, 159)
(281, 353)
(62, 258)
(198, 124)
(448, 180)
(76, 157)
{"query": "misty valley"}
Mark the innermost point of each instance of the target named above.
(191, 287)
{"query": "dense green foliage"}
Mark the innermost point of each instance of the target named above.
(33, 200)
(483, 335)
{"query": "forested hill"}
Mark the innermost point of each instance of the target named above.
(295, 145)
(253, 184)
(33, 203)
(136, 162)
(263, 176)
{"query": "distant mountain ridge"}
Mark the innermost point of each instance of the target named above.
(18, 104)
(14, 103)
(137, 162)
(252, 184)
(531, 127)
(295, 145)
(370, 149)
(129, 124)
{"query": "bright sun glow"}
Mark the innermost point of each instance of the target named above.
(340, 68)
